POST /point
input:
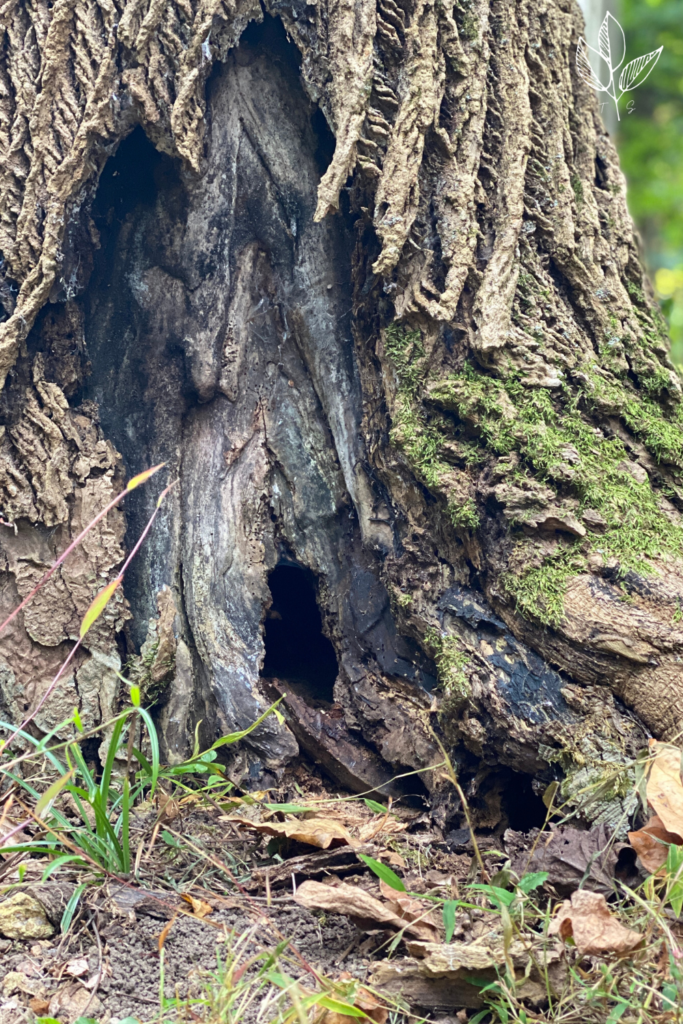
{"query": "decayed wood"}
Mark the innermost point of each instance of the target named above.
(451, 399)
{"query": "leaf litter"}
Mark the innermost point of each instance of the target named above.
(210, 872)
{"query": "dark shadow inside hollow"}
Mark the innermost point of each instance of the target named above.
(523, 807)
(296, 650)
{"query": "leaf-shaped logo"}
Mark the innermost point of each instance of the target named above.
(612, 51)
(584, 67)
(611, 25)
(635, 73)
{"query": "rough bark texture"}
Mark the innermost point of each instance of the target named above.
(376, 299)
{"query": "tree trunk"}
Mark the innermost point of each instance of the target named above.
(363, 276)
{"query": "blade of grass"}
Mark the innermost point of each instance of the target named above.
(70, 909)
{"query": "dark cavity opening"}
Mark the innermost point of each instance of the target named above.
(523, 807)
(296, 650)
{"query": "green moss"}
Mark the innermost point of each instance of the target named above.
(577, 186)
(661, 434)
(405, 349)
(419, 436)
(559, 446)
(464, 516)
(539, 592)
(450, 662)
(404, 600)
(555, 443)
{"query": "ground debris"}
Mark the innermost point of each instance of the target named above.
(318, 831)
(651, 843)
(22, 916)
(664, 787)
(340, 860)
(442, 977)
(587, 920)
(367, 912)
(572, 858)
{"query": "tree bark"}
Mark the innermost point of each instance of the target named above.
(364, 277)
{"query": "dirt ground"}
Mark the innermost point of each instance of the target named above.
(108, 966)
(131, 959)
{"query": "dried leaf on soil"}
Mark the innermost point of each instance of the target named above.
(71, 1001)
(383, 826)
(77, 967)
(587, 919)
(443, 978)
(410, 909)
(664, 786)
(17, 981)
(572, 858)
(369, 913)
(320, 832)
(651, 843)
(200, 908)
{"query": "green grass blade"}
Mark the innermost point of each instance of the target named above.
(70, 909)
(107, 836)
(36, 743)
(109, 760)
(65, 858)
(125, 822)
(77, 754)
(154, 744)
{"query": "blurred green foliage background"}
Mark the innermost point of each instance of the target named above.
(650, 143)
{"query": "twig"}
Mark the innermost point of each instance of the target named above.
(463, 800)
(99, 967)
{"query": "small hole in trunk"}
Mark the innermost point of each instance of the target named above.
(296, 650)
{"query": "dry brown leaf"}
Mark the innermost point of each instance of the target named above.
(70, 1001)
(165, 930)
(77, 967)
(200, 908)
(394, 858)
(411, 909)
(650, 843)
(368, 913)
(39, 1006)
(587, 919)
(385, 826)
(664, 787)
(320, 832)
(168, 808)
(447, 977)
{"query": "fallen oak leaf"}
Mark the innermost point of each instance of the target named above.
(321, 832)
(587, 919)
(664, 788)
(367, 912)
(651, 843)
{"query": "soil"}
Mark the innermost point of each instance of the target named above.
(131, 929)
(192, 951)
